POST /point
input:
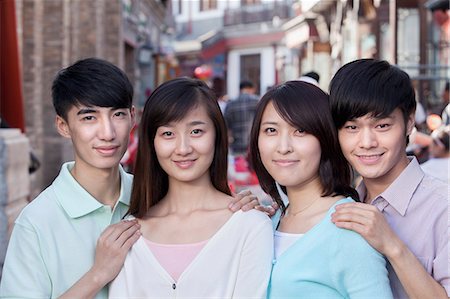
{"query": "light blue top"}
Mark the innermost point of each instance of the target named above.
(54, 238)
(329, 262)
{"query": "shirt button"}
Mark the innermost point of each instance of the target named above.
(274, 261)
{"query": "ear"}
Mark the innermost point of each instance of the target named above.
(62, 127)
(410, 124)
(133, 116)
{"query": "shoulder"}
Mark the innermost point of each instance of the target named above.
(42, 208)
(253, 220)
(434, 190)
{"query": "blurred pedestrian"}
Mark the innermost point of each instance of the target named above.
(439, 163)
(191, 245)
(405, 212)
(446, 100)
(294, 143)
(239, 115)
(310, 77)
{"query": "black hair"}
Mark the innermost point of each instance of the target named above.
(313, 75)
(369, 86)
(304, 106)
(91, 82)
(246, 84)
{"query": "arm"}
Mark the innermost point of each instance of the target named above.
(357, 269)
(255, 263)
(367, 221)
(112, 248)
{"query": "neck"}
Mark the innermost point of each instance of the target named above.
(301, 197)
(376, 186)
(102, 184)
(186, 197)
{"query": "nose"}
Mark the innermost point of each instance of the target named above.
(183, 146)
(368, 138)
(284, 144)
(107, 130)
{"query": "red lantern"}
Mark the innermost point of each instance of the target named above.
(203, 72)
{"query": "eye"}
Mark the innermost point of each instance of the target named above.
(120, 113)
(300, 132)
(270, 131)
(88, 118)
(167, 134)
(383, 126)
(197, 131)
(350, 127)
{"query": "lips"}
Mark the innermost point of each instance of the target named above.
(184, 164)
(107, 150)
(285, 162)
(370, 159)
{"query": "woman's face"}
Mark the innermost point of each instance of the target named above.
(290, 155)
(185, 148)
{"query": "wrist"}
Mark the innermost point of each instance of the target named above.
(98, 278)
(395, 250)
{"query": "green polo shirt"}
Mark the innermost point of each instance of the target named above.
(54, 238)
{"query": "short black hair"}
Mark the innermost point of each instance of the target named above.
(438, 5)
(91, 82)
(313, 75)
(369, 86)
(246, 84)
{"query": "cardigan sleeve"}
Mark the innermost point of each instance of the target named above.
(255, 261)
(358, 270)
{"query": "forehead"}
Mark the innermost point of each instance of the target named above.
(194, 115)
(395, 116)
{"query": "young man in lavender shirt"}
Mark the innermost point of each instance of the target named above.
(404, 214)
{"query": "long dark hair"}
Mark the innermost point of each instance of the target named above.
(304, 106)
(171, 102)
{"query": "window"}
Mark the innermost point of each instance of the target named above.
(251, 69)
(208, 5)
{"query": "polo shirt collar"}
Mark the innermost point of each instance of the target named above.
(75, 200)
(401, 191)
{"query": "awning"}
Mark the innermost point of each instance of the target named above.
(11, 100)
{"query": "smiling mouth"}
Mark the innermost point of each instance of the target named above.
(185, 163)
(110, 150)
(285, 162)
(370, 159)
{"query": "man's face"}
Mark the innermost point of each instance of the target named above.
(99, 135)
(376, 147)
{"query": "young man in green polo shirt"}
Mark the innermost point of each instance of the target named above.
(70, 241)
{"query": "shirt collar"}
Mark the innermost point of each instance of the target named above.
(76, 201)
(400, 192)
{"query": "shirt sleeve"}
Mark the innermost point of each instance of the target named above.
(358, 270)
(24, 273)
(255, 263)
(441, 263)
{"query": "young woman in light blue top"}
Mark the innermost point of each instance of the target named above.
(294, 142)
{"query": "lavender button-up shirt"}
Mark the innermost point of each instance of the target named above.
(416, 207)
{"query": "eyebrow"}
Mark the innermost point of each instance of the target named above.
(269, 123)
(86, 111)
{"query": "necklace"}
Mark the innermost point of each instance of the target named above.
(304, 209)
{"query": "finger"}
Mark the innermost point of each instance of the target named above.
(251, 205)
(356, 227)
(349, 217)
(113, 232)
(270, 211)
(356, 205)
(131, 240)
(239, 196)
(126, 235)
